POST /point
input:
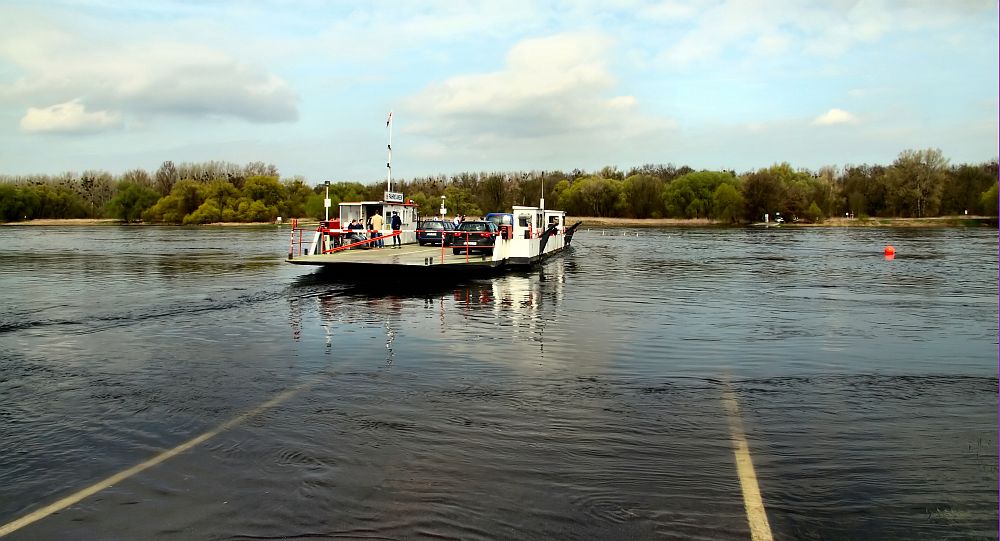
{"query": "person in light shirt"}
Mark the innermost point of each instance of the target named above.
(376, 224)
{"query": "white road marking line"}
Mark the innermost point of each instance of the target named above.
(760, 529)
(108, 482)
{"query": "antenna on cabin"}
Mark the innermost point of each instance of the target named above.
(388, 164)
(541, 200)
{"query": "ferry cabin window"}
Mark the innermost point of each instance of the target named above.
(524, 220)
(538, 221)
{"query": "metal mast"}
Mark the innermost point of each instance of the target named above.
(388, 164)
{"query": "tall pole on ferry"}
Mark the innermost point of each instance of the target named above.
(326, 203)
(541, 200)
(388, 164)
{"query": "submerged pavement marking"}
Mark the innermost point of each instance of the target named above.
(760, 529)
(108, 482)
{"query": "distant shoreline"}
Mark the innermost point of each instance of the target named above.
(940, 221)
(113, 221)
(595, 221)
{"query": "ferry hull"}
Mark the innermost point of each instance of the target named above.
(412, 260)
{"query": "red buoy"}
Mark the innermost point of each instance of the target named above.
(889, 250)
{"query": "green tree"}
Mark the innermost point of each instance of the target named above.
(256, 211)
(314, 207)
(207, 213)
(17, 203)
(460, 200)
(777, 189)
(988, 201)
(813, 213)
(592, 196)
(185, 197)
(642, 196)
(223, 195)
(297, 193)
(425, 205)
(265, 189)
(864, 191)
(965, 186)
(131, 201)
(493, 192)
(58, 201)
(727, 203)
(916, 181)
(560, 188)
(690, 196)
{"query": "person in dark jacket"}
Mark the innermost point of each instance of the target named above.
(397, 226)
(356, 229)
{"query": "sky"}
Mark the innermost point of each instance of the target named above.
(509, 85)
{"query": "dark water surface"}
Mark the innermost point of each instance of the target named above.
(583, 400)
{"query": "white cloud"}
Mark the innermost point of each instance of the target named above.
(187, 80)
(141, 78)
(669, 11)
(549, 87)
(835, 116)
(817, 28)
(772, 44)
(69, 117)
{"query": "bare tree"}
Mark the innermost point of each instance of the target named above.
(166, 177)
(139, 177)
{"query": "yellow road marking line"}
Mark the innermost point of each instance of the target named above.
(760, 529)
(108, 482)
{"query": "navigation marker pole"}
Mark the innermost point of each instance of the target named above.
(388, 164)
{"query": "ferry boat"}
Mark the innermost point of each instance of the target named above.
(534, 234)
(523, 237)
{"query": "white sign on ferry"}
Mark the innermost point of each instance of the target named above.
(392, 197)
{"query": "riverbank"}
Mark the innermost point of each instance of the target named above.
(596, 221)
(113, 221)
(940, 221)
(66, 221)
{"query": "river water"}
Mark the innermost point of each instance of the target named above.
(597, 397)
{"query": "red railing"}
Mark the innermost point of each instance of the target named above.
(295, 245)
(298, 241)
(361, 242)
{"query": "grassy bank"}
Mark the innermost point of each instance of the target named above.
(942, 221)
(113, 221)
(595, 221)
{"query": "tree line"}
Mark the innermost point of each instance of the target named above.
(919, 183)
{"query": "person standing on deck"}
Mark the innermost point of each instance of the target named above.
(356, 231)
(377, 229)
(397, 225)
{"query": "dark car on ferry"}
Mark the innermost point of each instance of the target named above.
(432, 231)
(473, 235)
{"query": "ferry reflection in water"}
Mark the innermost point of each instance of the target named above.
(512, 302)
